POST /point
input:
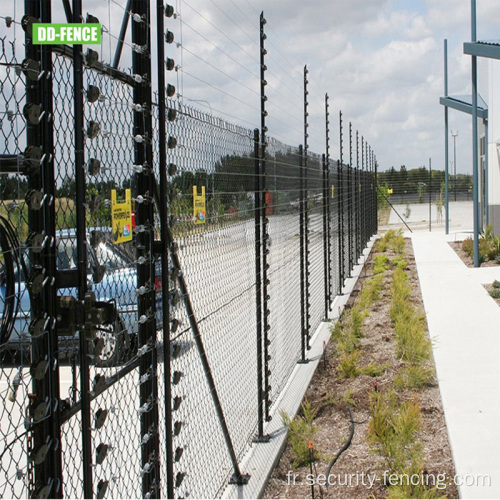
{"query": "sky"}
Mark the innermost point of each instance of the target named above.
(380, 61)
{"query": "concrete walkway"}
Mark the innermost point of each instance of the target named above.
(464, 324)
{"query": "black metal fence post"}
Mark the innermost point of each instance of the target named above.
(44, 476)
(350, 208)
(146, 292)
(340, 178)
(359, 247)
(164, 218)
(328, 207)
(325, 235)
(363, 197)
(266, 206)
(87, 458)
(306, 210)
(302, 237)
(54, 458)
(258, 291)
(430, 194)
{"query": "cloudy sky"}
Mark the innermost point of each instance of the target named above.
(380, 61)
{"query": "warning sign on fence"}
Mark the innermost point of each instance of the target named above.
(121, 217)
(199, 206)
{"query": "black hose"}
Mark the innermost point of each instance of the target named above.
(12, 257)
(344, 447)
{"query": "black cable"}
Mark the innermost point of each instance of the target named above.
(344, 447)
(9, 246)
(12, 442)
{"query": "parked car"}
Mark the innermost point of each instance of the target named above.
(112, 276)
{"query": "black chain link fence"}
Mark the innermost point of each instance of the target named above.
(147, 330)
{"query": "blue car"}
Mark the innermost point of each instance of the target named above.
(111, 275)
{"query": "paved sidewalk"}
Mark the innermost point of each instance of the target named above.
(464, 325)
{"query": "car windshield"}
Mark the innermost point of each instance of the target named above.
(104, 254)
(107, 256)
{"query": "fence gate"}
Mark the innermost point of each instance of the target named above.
(82, 348)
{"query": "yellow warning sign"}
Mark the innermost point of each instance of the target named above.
(199, 206)
(390, 191)
(121, 217)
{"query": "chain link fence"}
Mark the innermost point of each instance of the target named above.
(162, 271)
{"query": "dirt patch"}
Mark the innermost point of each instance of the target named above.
(359, 472)
(466, 258)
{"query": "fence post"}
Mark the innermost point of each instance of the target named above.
(266, 205)
(328, 208)
(143, 154)
(47, 478)
(87, 457)
(165, 274)
(340, 179)
(325, 236)
(430, 194)
(350, 206)
(302, 262)
(258, 291)
(376, 195)
(359, 248)
(364, 200)
(306, 209)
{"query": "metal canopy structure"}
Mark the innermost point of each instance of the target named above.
(485, 48)
(463, 103)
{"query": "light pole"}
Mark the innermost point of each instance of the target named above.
(454, 135)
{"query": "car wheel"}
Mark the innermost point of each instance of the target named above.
(115, 342)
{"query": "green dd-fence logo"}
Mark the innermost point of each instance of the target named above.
(69, 33)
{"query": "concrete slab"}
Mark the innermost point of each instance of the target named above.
(463, 324)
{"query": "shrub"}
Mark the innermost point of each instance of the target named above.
(355, 322)
(411, 342)
(371, 291)
(373, 369)
(468, 247)
(398, 244)
(393, 428)
(348, 364)
(400, 262)
(380, 263)
(414, 376)
(496, 284)
(380, 245)
(301, 430)
(495, 293)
